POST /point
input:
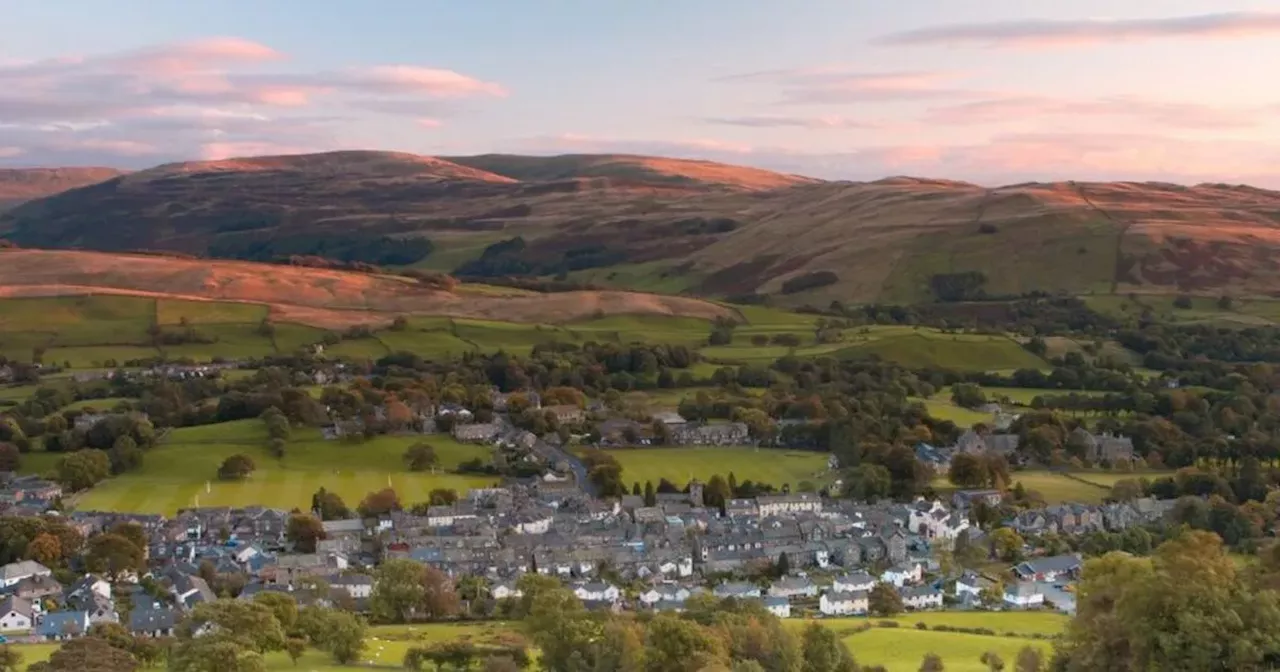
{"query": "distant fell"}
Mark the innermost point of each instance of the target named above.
(23, 184)
(680, 226)
(631, 168)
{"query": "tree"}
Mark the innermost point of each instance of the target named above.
(10, 659)
(251, 624)
(404, 590)
(784, 565)
(344, 636)
(967, 395)
(329, 506)
(89, 654)
(824, 652)
(884, 600)
(236, 467)
(1007, 544)
(295, 647)
(932, 663)
(993, 661)
(442, 497)
(969, 471)
(1125, 490)
(1029, 660)
(115, 556)
(379, 503)
(868, 482)
(282, 606)
(716, 492)
(420, 457)
(304, 530)
(673, 644)
(45, 549)
(10, 457)
(1129, 618)
(650, 497)
(83, 469)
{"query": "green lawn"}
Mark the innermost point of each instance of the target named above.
(173, 311)
(943, 409)
(960, 352)
(1024, 395)
(902, 649)
(1003, 622)
(680, 465)
(1057, 488)
(175, 473)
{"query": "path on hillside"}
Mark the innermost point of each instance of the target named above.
(1124, 230)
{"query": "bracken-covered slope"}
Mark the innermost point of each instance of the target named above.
(692, 227)
(23, 184)
(311, 295)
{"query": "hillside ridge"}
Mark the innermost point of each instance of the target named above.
(682, 226)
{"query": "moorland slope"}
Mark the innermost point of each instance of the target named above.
(679, 226)
(321, 297)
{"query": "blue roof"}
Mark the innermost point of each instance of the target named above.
(59, 623)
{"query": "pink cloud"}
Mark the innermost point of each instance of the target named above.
(1163, 113)
(427, 122)
(827, 85)
(824, 122)
(196, 55)
(1035, 33)
(218, 151)
(409, 79)
(10, 152)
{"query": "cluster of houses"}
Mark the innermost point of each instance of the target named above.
(836, 552)
(166, 371)
(26, 494)
(1096, 447)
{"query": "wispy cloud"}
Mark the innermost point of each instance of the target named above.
(835, 85)
(203, 98)
(1161, 113)
(1223, 25)
(823, 122)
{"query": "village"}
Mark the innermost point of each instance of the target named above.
(802, 555)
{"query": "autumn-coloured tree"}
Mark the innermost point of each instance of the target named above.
(45, 549)
(378, 503)
(304, 530)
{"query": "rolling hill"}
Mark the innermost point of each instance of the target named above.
(18, 185)
(319, 297)
(679, 226)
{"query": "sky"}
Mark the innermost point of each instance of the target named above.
(988, 91)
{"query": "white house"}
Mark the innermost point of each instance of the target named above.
(738, 590)
(843, 603)
(596, 592)
(791, 586)
(502, 591)
(969, 583)
(933, 520)
(1049, 569)
(901, 575)
(533, 524)
(778, 606)
(772, 505)
(1023, 595)
(682, 566)
(14, 572)
(921, 597)
(89, 585)
(358, 586)
(853, 582)
(16, 614)
(666, 593)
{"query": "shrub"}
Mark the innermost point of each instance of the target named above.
(808, 281)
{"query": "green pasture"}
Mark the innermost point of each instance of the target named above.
(175, 473)
(680, 465)
(931, 349)
(902, 649)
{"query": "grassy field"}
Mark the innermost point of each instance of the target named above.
(176, 472)
(385, 646)
(902, 649)
(962, 352)
(98, 404)
(943, 409)
(680, 465)
(1025, 395)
